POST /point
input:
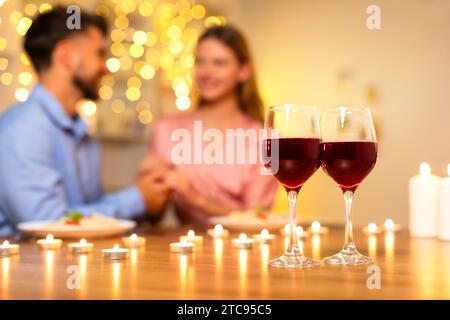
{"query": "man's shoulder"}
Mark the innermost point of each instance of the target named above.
(26, 114)
(25, 121)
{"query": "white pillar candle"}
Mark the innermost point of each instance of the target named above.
(424, 203)
(444, 219)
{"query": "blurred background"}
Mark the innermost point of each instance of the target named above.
(307, 52)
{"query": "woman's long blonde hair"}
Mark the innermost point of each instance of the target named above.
(249, 99)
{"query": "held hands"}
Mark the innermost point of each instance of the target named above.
(179, 182)
(159, 180)
(154, 190)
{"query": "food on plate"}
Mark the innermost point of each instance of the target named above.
(258, 212)
(76, 218)
(73, 217)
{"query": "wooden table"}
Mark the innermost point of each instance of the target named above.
(410, 269)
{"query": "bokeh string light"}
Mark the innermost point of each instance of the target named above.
(150, 40)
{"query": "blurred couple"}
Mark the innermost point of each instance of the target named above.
(49, 164)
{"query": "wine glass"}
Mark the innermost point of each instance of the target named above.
(292, 154)
(349, 153)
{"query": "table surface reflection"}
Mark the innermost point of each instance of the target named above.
(410, 269)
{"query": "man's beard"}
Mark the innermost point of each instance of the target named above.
(88, 88)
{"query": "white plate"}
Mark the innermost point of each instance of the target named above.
(42, 228)
(250, 223)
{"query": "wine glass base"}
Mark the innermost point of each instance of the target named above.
(293, 261)
(346, 258)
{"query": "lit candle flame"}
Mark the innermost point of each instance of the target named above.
(116, 247)
(315, 227)
(5, 243)
(191, 234)
(389, 224)
(264, 233)
(133, 237)
(299, 231)
(83, 242)
(425, 169)
(49, 238)
(183, 241)
(372, 227)
(218, 229)
(242, 236)
(287, 228)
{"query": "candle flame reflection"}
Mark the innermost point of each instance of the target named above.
(134, 260)
(183, 273)
(116, 280)
(83, 266)
(49, 265)
(218, 249)
(265, 254)
(372, 246)
(243, 256)
(5, 278)
(316, 247)
(389, 243)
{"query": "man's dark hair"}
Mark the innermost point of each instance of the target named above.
(50, 27)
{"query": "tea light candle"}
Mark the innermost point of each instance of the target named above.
(264, 237)
(316, 228)
(243, 242)
(286, 231)
(133, 241)
(182, 247)
(218, 231)
(424, 203)
(371, 228)
(49, 243)
(80, 247)
(390, 226)
(192, 237)
(7, 249)
(116, 253)
(444, 220)
(301, 234)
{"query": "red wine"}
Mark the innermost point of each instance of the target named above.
(298, 159)
(348, 162)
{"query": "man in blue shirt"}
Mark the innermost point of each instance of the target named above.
(48, 162)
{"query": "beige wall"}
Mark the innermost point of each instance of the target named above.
(301, 47)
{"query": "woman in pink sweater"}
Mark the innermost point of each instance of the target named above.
(207, 180)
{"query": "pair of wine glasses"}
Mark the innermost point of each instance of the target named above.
(296, 145)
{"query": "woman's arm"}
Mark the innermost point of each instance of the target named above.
(187, 194)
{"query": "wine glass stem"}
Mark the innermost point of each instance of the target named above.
(349, 245)
(293, 245)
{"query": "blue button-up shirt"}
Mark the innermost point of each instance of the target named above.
(49, 165)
